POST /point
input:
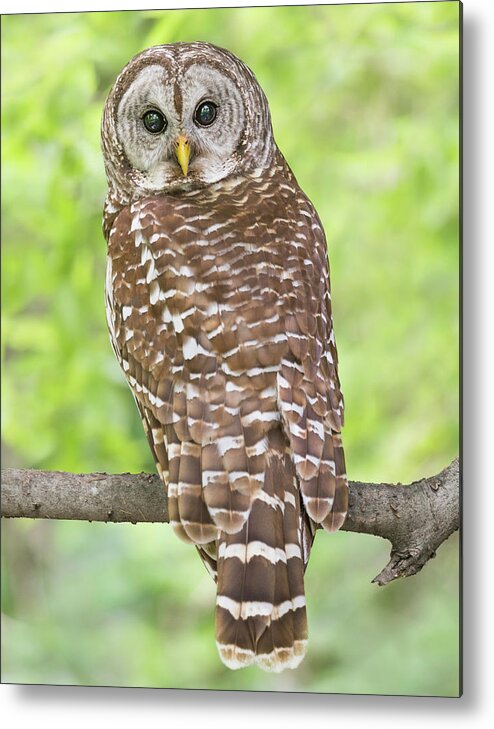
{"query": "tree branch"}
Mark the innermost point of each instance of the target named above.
(416, 518)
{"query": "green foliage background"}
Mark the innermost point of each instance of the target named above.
(364, 102)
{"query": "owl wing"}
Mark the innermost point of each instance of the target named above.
(308, 384)
(150, 336)
(206, 399)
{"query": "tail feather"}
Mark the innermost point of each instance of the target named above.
(260, 607)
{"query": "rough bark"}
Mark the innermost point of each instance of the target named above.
(416, 518)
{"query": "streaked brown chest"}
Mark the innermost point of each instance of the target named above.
(222, 268)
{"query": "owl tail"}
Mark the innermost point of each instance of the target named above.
(260, 605)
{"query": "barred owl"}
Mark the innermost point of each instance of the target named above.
(219, 311)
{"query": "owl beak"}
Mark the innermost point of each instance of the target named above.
(182, 151)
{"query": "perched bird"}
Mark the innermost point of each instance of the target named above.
(219, 311)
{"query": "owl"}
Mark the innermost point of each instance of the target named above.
(219, 311)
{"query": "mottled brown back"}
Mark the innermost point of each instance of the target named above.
(219, 311)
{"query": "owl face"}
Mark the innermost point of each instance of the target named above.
(183, 116)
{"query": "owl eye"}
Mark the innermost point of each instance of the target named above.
(205, 114)
(154, 121)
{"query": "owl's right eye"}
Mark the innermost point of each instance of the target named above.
(154, 121)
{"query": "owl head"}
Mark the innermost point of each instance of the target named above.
(182, 116)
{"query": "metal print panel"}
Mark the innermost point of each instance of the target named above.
(297, 416)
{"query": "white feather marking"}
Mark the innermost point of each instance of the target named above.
(293, 550)
(289, 498)
(252, 608)
(297, 431)
(283, 383)
(154, 292)
(212, 228)
(228, 442)
(246, 552)
(178, 323)
(316, 427)
(228, 512)
(264, 417)
(189, 348)
(273, 501)
(258, 449)
(174, 450)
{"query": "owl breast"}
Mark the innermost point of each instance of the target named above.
(201, 291)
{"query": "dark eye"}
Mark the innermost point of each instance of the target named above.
(205, 113)
(154, 121)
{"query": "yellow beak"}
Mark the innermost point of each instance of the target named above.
(182, 150)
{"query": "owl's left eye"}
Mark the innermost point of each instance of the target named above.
(205, 114)
(154, 121)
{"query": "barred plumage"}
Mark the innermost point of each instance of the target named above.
(219, 311)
